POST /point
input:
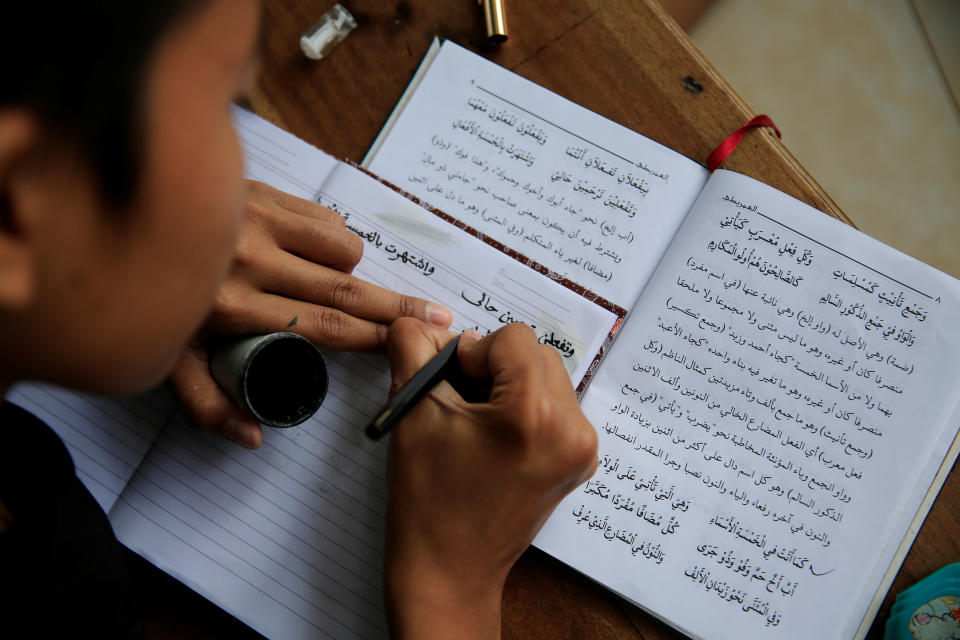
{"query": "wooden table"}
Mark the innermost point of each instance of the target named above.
(624, 59)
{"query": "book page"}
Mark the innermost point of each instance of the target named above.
(413, 251)
(289, 538)
(581, 195)
(107, 437)
(769, 419)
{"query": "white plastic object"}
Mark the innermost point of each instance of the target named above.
(323, 36)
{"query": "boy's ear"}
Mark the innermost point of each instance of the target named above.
(18, 139)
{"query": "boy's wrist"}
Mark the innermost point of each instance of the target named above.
(423, 603)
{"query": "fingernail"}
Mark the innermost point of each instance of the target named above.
(471, 335)
(241, 432)
(438, 315)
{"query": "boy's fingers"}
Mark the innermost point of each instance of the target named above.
(510, 355)
(265, 194)
(207, 407)
(326, 243)
(326, 327)
(410, 345)
(555, 373)
(578, 438)
(299, 279)
(295, 278)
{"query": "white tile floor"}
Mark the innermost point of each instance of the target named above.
(857, 92)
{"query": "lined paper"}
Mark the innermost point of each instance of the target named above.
(287, 538)
(280, 159)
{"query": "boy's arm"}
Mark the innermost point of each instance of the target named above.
(471, 484)
(291, 272)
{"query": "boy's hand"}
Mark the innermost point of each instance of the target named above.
(291, 272)
(471, 484)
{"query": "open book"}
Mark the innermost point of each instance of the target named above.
(776, 412)
(781, 398)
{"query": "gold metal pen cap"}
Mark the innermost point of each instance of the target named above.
(496, 20)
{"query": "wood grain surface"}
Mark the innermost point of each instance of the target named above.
(624, 59)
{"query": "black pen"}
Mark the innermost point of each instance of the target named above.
(443, 366)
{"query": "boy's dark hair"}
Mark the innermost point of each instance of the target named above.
(81, 68)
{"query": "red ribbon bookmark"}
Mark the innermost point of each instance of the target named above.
(727, 146)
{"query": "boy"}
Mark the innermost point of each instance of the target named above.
(124, 223)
